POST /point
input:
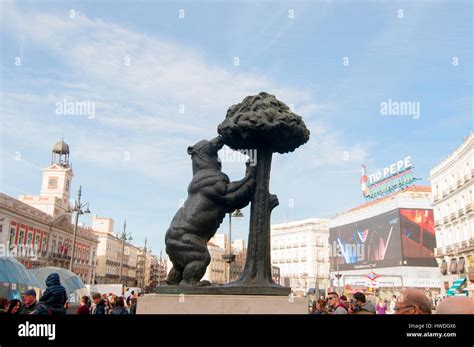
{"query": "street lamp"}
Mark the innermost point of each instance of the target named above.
(229, 258)
(124, 237)
(338, 276)
(79, 208)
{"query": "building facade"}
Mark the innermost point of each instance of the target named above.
(386, 245)
(217, 271)
(452, 183)
(300, 250)
(37, 229)
(114, 255)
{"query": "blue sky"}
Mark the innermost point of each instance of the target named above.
(190, 62)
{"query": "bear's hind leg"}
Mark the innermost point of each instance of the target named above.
(193, 272)
(174, 277)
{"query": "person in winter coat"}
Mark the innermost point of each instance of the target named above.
(29, 302)
(133, 307)
(54, 297)
(98, 304)
(119, 306)
(84, 308)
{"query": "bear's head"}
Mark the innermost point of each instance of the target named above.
(204, 154)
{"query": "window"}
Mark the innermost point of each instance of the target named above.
(29, 239)
(12, 236)
(44, 243)
(21, 237)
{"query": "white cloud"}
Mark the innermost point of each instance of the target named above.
(141, 102)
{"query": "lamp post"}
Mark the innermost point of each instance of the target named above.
(124, 237)
(229, 257)
(79, 208)
(338, 276)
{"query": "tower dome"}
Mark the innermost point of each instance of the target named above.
(60, 154)
(61, 147)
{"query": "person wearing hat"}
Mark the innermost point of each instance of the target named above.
(29, 302)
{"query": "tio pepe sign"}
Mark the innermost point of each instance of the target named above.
(392, 178)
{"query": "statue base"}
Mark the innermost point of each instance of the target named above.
(220, 304)
(226, 289)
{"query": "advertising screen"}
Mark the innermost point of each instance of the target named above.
(418, 237)
(369, 243)
(398, 237)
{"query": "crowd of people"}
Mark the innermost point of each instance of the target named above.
(410, 301)
(54, 301)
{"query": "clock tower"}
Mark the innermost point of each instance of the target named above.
(56, 183)
(58, 176)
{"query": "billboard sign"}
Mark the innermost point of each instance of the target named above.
(418, 237)
(369, 243)
(394, 177)
(395, 238)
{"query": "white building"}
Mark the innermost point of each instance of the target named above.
(395, 236)
(300, 250)
(114, 255)
(452, 183)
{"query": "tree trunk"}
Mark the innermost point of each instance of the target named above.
(258, 267)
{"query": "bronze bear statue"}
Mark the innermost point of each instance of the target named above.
(211, 196)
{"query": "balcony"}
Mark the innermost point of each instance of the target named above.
(459, 183)
(445, 220)
(460, 212)
(444, 193)
(469, 208)
(452, 188)
(452, 216)
(437, 223)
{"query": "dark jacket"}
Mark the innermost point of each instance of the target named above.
(119, 310)
(55, 295)
(99, 308)
(29, 309)
(133, 309)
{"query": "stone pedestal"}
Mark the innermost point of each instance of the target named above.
(220, 304)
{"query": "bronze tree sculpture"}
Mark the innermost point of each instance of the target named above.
(263, 123)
